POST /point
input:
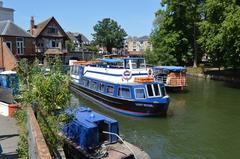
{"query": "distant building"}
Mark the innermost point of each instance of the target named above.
(78, 39)
(50, 38)
(137, 45)
(15, 44)
(6, 13)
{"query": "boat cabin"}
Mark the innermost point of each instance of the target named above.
(171, 76)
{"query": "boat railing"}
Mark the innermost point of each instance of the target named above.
(176, 81)
(162, 79)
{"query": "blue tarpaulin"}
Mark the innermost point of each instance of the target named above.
(170, 68)
(86, 128)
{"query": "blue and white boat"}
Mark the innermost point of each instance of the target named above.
(124, 85)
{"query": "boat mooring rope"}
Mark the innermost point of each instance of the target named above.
(105, 132)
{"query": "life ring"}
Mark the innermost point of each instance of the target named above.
(127, 75)
(150, 73)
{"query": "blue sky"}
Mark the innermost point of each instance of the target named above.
(135, 16)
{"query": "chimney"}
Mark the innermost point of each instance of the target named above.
(32, 25)
(1, 3)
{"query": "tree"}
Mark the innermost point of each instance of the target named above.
(109, 34)
(220, 32)
(175, 33)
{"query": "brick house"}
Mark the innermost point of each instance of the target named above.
(50, 38)
(15, 44)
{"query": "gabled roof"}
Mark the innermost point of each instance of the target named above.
(8, 28)
(71, 36)
(39, 28)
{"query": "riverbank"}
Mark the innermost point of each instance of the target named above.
(230, 76)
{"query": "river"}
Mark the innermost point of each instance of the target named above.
(203, 123)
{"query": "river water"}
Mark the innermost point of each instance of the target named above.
(203, 123)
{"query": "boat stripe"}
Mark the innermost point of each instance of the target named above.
(116, 75)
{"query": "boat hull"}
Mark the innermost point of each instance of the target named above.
(124, 106)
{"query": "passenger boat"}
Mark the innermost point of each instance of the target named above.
(171, 76)
(123, 85)
(92, 135)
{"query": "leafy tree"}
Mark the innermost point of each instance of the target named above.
(69, 45)
(220, 32)
(109, 34)
(175, 33)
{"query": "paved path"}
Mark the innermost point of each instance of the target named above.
(8, 138)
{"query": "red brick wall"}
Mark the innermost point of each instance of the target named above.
(28, 44)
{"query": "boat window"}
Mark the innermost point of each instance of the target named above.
(86, 83)
(156, 89)
(101, 88)
(138, 63)
(124, 92)
(150, 91)
(93, 85)
(126, 64)
(140, 93)
(163, 91)
(109, 90)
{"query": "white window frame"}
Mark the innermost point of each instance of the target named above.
(20, 48)
(136, 93)
(154, 94)
(122, 96)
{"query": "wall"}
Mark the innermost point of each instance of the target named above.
(28, 44)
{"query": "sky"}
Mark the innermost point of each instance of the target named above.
(135, 16)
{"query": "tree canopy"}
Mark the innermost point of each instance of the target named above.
(184, 30)
(109, 34)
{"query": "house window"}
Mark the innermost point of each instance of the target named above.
(20, 45)
(124, 92)
(9, 45)
(52, 30)
(53, 44)
(140, 93)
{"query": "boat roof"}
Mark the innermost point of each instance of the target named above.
(170, 68)
(8, 72)
(88, 117)
(111, 60)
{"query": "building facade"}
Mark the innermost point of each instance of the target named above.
(6, 13)
(49, 37)
(15, 44)
(137, 45)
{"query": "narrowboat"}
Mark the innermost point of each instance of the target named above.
(93, 135)
(123, 85)
(172, 76)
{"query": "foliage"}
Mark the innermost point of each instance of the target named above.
(185, 30)
(49, 91)
(92, 48)
(69, 45)
(21, 118)
(175, 31)
(109, 34)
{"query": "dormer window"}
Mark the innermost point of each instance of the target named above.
(52, 30)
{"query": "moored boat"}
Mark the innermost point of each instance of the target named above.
(92, 135)
(123, 85)
(171, 76)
